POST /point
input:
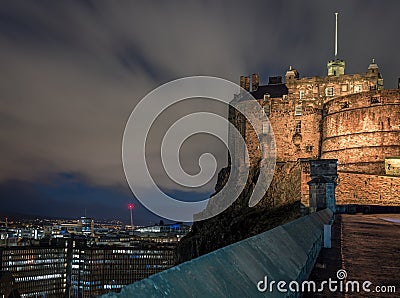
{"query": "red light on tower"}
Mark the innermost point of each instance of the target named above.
(130, 207)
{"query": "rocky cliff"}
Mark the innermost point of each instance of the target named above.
(280, 204)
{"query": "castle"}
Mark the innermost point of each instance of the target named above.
(348, 117)
(339, 130)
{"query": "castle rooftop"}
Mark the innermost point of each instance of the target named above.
(274, 90)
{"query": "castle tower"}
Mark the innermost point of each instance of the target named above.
(336, 67)
(374, 74)
(373, 68)
(291, 75)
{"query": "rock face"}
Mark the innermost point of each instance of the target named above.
(280, 204)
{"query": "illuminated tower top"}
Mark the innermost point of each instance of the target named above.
(336, 67)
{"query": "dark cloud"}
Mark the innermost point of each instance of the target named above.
(66, 196)
(72, 71)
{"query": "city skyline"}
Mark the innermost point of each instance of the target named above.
(73, 72)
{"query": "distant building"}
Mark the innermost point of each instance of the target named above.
(84, 266)
(99, 270)
(162, 233)
(86, 226)
(38, 271)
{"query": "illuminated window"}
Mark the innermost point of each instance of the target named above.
(265, 127)
(302, 93)
(357, 88)
(374, 99)
(309, 148)
(298, 126)
(329, 91)
(298, 110)
(344, 87)
(266, 110)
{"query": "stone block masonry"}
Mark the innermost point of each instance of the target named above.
(366, 189)
(362, 129)
(350, 118)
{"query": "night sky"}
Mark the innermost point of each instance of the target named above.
(72, 71)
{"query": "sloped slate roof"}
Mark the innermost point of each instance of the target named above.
(276, 90)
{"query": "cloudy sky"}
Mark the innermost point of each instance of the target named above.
(72, 72)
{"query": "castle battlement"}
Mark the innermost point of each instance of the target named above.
(348, 117)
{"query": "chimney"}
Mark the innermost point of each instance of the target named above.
(255, 81)
(247, 83)
(242, 82)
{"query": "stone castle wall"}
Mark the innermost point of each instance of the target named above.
(295, 136)
(360, 130)
(315, 88)
(253, 144)
(304, 179)
(296, 119)
(366, 189)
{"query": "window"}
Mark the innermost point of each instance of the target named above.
(309, 148)
(374, 99)
(345, 105)
(344, 88)
(266, 110)
(298, 110)
(266, 96)
(298, 126)
(284, 97)
(329, 91)
(357, 88)
(265, 127)
(302, 93)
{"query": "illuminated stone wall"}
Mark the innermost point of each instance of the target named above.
(355, 122)
(366, 189)
(361, 130)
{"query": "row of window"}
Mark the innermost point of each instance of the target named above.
(32, 261)
(34, 251)
(39, 277)
(329, 91)
(101, 267)
(298, 109)
(266, 127)
(267, 97)
(41, 294)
